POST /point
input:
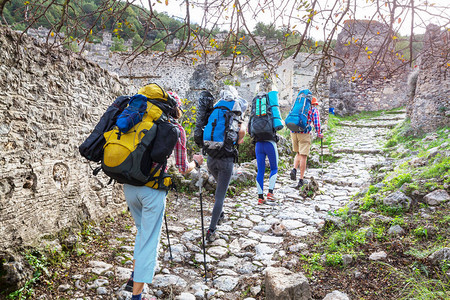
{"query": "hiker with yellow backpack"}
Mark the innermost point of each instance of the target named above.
(147, 207)
(135, 153)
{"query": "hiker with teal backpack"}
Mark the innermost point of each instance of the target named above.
(147, 202)
(303, 113)
(264, 122)
(218, 132)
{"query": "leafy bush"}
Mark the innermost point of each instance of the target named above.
(247, 150)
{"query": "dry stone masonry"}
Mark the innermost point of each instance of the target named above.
(358, 49)
(430, 108)
(49, 103)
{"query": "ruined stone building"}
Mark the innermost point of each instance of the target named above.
(368, 74)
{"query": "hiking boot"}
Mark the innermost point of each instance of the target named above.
(271, 197)
(221, 218)
(261, 201)
(129, 285)
(210, 236)
(294, 174)
(300, 184)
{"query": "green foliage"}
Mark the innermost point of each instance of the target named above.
(372, 190)
(398, 220)
(247, 150)
(402, 45)
(333, 259)
(188, 121)
(390, 211)
(445, 266)
(368, 202)
(401, 179)
(345, 240)
(420, 287)
(380, 233)
(159, 46)
(2, 270)
(122, 19)
(333, 122)
(312, 263)
(118, 45)
(402, 134)
(137, 41)
(438, 170)
(39, 264)
(232, 82)
(420, 232)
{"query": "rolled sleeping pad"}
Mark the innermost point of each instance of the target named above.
(273, 100)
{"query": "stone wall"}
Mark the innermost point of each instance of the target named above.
(430, 108)
(362, 80)
(49, 103)
(172, 74)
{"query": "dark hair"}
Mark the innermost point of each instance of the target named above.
(176, 112)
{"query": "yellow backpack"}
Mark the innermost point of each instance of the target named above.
(131, 157)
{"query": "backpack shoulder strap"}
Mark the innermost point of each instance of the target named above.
(165, 107)
(222, 107)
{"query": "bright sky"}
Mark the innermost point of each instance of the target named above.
(434, 11)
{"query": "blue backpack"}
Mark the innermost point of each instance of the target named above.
(221, 131)
(297, 119)
(132, 114)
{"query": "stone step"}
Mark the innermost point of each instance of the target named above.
(389, 118)
(368, 125)
(358, 151)
(401, 111)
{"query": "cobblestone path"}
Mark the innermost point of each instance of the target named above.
(251, 238)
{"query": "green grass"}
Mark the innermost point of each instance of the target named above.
(438, 170)
(401, 134)
(419, 287)
(345, 240)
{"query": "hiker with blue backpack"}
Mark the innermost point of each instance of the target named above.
(303, 113)
(219, 130)
(264, 122)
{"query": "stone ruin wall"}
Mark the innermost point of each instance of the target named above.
(49, 103)
(380, 90)
(430, 107)
(172, 74)
(293, 75)
(297, 74)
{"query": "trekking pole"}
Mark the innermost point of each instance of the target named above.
(200, 184)
(321, 154)
(168, 239)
